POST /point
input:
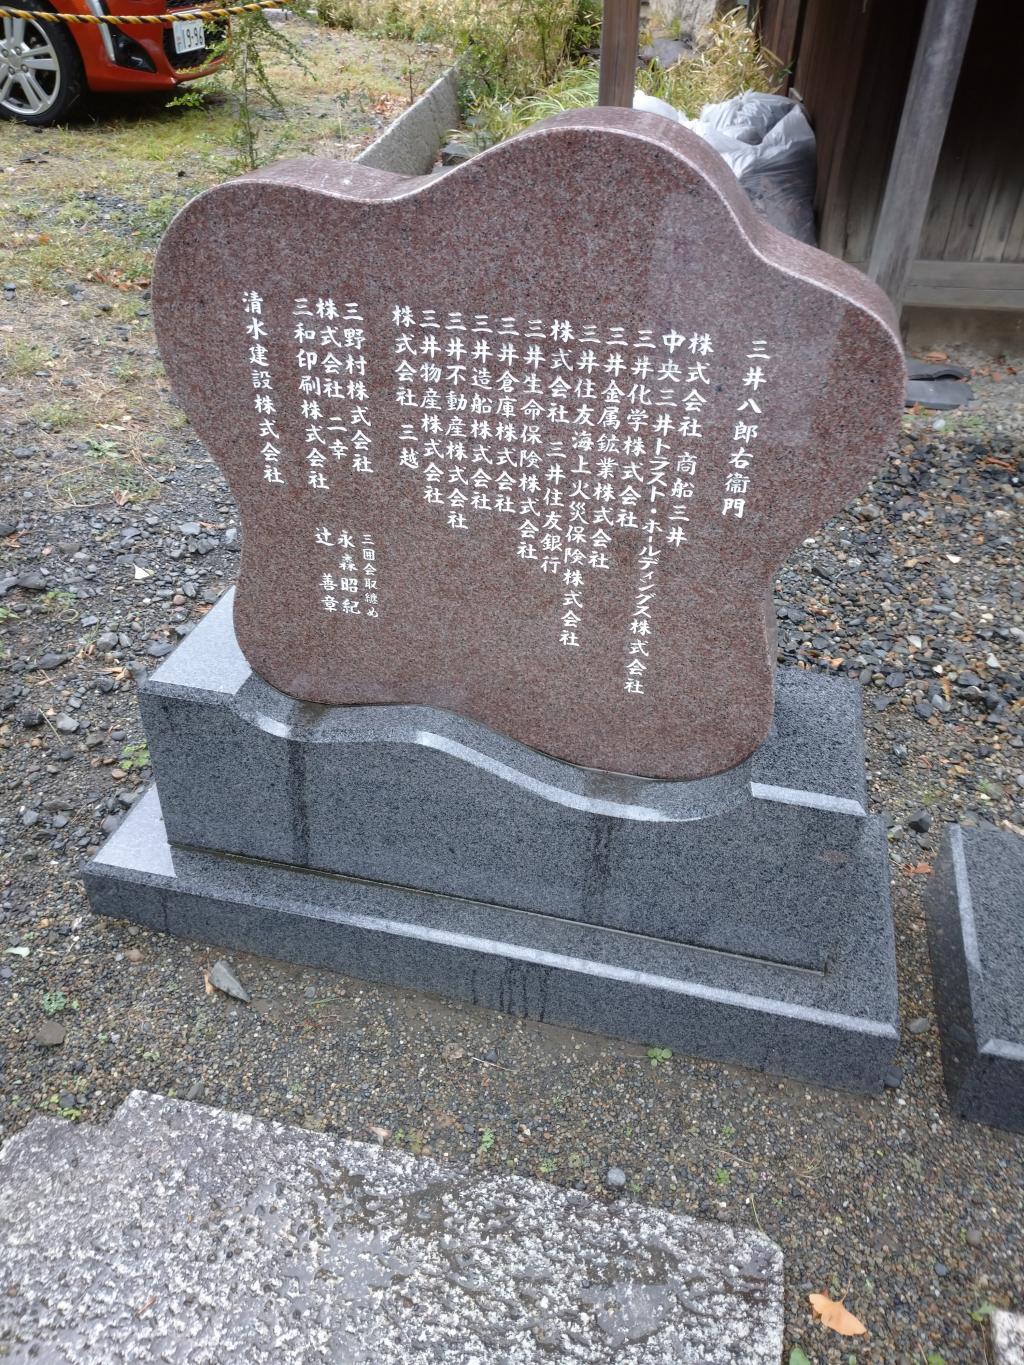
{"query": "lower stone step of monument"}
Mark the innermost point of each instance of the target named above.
(835, 1026)
(180, 1232)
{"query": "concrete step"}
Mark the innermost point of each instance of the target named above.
(183, 1233)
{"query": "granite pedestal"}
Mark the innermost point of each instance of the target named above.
(743, 917)
(975, 904)
(182, 1233)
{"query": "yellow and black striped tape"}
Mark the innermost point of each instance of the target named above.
(125, 20)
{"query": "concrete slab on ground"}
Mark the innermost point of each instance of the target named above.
(181, 1231)
(1008, 1338)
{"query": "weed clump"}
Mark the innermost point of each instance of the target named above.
(507, 49)
(728, 60)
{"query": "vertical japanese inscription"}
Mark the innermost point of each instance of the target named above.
(746, 429)
(332, 381)
(587, 442)
(582, 437)
(263, 386)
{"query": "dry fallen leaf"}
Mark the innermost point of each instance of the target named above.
(208, 984)
(919, 870)
(836, 1316)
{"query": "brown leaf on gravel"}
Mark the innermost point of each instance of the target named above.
(919, 870)
(208, 985)
(836, 1316)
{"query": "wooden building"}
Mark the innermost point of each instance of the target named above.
(867, 69)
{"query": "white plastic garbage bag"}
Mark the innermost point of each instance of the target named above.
(769, 144)
(650, 104)
(770, 147)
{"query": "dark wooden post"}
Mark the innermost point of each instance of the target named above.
(940, 48)
(620, 28)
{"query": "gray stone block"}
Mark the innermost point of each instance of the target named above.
(181, 1232)
(835, 1027)
(975, 905)
(409, 146)
(742, 918)
(751, 862)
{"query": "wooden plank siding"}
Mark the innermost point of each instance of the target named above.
(850, 61)
(782, 32)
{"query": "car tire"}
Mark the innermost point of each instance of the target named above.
(41, 73)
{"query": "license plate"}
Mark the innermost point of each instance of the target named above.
(189, 35)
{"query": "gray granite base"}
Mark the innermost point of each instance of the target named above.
(775, 859)
(743, 918)
(975, 905)
(836, 1027)
(178, 1232)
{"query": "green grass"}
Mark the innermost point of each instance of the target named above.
(727, 61)
(134, 757)
(56, 415)
(140, 160)
(107, 472)
(21, 358)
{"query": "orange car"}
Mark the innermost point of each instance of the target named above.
(46, 68)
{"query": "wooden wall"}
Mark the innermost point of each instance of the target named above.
(850, 61)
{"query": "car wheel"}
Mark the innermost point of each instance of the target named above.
(41, 76)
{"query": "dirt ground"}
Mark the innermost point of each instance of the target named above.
(117, 533)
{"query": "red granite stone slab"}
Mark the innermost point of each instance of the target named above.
(529, 440)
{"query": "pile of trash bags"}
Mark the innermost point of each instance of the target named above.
(769, 144)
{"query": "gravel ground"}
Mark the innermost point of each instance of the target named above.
(115, 539)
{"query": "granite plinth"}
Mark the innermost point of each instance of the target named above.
(527, 441)
(975, 904)
(413, 847)
(752, 862)
(179, 1232)
(834, 1027)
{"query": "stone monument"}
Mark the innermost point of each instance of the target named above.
(494, 710)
